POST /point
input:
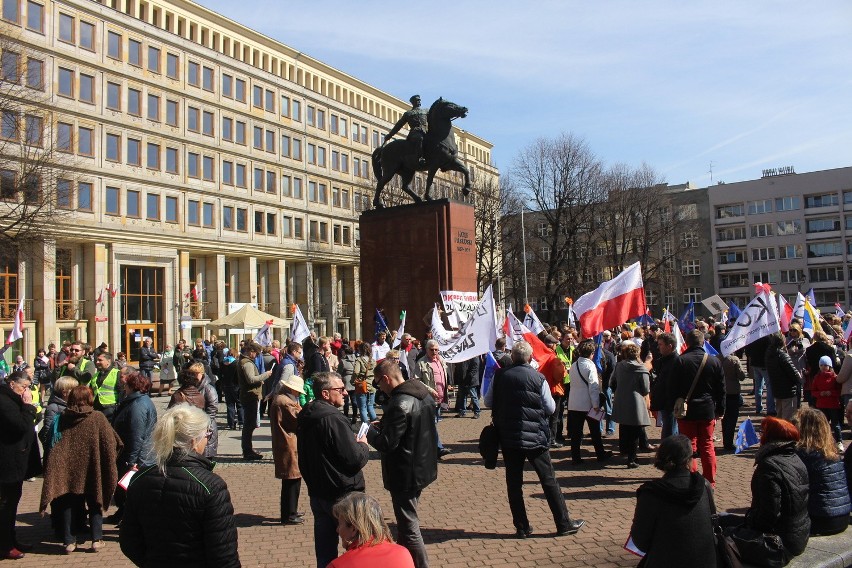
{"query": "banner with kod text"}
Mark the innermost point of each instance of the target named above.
(758, 319)
(476, 336)
(448, 297)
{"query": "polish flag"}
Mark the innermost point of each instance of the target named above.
(785, 313)
(516, 331)
(18, 328)
(100, 297)
(196, 294)
(612, 303)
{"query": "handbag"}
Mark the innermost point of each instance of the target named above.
(489, 446)
(680, 405)
(758, 548)
(727, 553)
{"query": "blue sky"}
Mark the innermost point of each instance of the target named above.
(744, 85)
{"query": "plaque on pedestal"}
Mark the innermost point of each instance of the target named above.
(409, 254)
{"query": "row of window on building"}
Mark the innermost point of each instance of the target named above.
(785, 252)
(780, 204)
(783, 228)
(788, 276)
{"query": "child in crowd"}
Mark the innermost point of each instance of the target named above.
(826, 393)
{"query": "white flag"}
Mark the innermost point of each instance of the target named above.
(758, 319)
(299, 330)
(398, 339)
(476, 337)
(447, 297)
(531, 320)
(264, 336)
(18, 327)
(439, 332)
(799, 307)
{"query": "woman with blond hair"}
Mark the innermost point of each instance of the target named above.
(365, 535)
(828, 497)
(178, 512)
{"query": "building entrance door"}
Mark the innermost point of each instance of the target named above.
(142, 313)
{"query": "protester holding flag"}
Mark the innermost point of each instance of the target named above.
(705, 404)
(631, 384)
(783, 377)
(779, 491)
(583, 397)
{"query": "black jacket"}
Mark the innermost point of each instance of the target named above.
(783, 375)
(708, 398)
(184, 518)
(672, 522)
(518, 410)
(134, 422)
(828, 495)
(816, 350)
(756, 351)
(147, 358)
(406, 439)
(665, 368)
(466, 374)
(329, 457)
(779, 495)
(19, 455)
(316, 363)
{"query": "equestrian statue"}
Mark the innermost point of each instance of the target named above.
(430, 146)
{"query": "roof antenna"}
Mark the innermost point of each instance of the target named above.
(711, 173)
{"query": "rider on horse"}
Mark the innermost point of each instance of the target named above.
(417, 122)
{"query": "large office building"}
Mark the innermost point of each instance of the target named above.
(791, 230)
(205, 166)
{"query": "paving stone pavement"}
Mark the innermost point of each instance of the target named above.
(464, 514)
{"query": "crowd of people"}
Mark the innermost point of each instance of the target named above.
(85, 410)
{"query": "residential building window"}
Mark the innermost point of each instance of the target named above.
(257, 96)
(792, 276)
(193, 214)
(258, 137)
(227, 128)
(831, 248)
(154, 108)
(270, 182)
(691, 268)
(171, 113)
(727, 211)
(829, 297)
(761, 254)
(760, 206)
(35, 74)
(242, 220)
(689, 240)
(227, 172)
(765, 277)
(207, 123)
(270, 101)
(10, 66)
(270, 141)
(64, 137)
(240, 133)
(171, 209)
(788, 228)
(336, 232)
(227, 86)
(826, 274)
(730, 234)
(286, 226)
(271, 223)
(153, 59)
(285, 145)
(207, 215)
(363, 134)
(787, 203)
(241, 175)
(193, 119)
(258, 222)
(64, 193)
(321, 156)
(11, 11)
(134, 152)
(347, 235)
(761, 230)
(152, 207)
(791, 251)
(343, 127)
(733, 280)
(297, 188)
(65, 87)
(192, 165)
(228, 218)
(35, 17)
(193, 73)
(132, 204)
(134, 102)
(823, 225)
(134, 52)
(732, 257)
(258, 179)
(172, 66)
(113, 96)
(321, 119)
(113, 45)
(172, 160)
(112, 201)
(85, 141)
(297, 149)
(691, 295)
(310, 115)
(312, 154)
(344, 163)
(153, 156)
(821, 200)
(298, 231)
(207, 79)
(207, 168)
(240, 90)
(113, 147)
(87, 36)
(285, 186)
(285, 106)
(333, 124)
(297, 112)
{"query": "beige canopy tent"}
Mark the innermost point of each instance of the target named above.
(247, 317)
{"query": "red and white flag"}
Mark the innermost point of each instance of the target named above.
(112, 291)
(196, 294)
(680, 343)
(612, 303)
(100, 297)
(18, 327)
(515, 330)
(785, 313)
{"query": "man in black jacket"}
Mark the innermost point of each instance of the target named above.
(705, 404)
(406, 439)
(466, 377)
(665, 365)
(330, 459)
(521, 404)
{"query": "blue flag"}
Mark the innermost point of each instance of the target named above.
(491, 366)
(598, 358)
(381, 324)
(686, 321)
(709, 349)
(645, 319)
(746, 436)
(733, 311)
(812, 297)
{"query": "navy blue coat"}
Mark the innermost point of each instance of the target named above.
(828, 495)
(134, 421)
(518, 409)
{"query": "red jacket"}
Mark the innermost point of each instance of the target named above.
(385, 555)
(825, 382)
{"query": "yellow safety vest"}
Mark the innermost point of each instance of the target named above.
(106, 394)
(566, 360)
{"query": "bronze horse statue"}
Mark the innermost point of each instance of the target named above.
(439, 151)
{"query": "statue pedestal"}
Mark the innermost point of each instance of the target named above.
(409, 254)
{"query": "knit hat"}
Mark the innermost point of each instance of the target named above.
(825, 360)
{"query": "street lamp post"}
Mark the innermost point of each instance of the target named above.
(524, 246)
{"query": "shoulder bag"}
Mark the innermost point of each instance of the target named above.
(601, 394)
(680, 405)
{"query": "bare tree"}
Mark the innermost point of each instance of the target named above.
(34, 157)
(561, 178)
(492, 198)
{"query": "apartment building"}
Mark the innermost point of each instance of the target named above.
(205, 166)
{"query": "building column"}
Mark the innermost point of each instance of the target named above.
(355, 308)
(44, 295)
(309, 278)
(247, 280)
(214, 283)
(332, 322)
(181, 291)
(278, 289)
